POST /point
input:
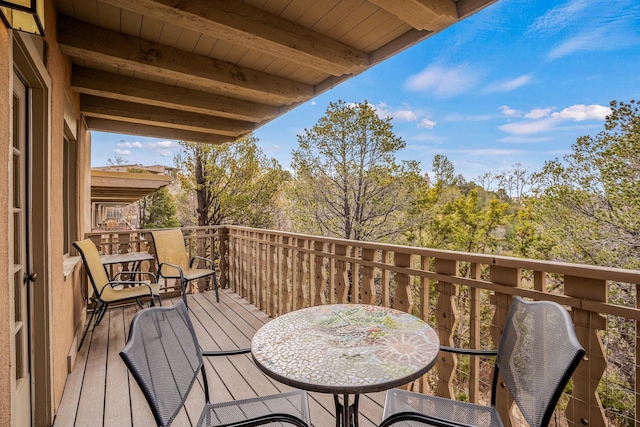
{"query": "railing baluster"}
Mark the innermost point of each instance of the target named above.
(446, 321)
(342, 275)
(320, 275)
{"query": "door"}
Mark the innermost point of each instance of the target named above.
(18, 244)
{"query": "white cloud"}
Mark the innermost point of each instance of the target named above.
(164, 153)
(509, 85)
(527, 127)
(129, 144)
(583, 42)
(162, 144)
(582, 112)
(538, 113)
(456, 117)
(519, 139)
(122, 152)
(510, 112)
(445, 82)
(405, 115)
(427, 124)
(561, 16)
(542, 120)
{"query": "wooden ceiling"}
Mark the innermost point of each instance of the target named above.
(214, 70)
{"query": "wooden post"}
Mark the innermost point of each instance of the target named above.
(386, 280)
(368, 285)
(223, 253)
(446, 322)
(474, 336)
(287, 293)
(320, 276)
(300, 285)
(509, 277)
(342, 276)
(584, 407)
(402, 299)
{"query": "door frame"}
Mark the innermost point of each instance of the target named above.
(27, 53)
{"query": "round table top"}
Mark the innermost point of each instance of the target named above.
(345, 348)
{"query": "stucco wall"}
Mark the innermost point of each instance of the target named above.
(5, 355)
(66, 299)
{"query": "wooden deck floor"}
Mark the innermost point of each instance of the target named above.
(100, 392)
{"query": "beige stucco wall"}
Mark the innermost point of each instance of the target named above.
(67, 307)
(66, 297)
(5, 355)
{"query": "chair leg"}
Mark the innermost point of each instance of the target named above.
(101, 314)
(215, 286)
(184, 292)
(86, 329)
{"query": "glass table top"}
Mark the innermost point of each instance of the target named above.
(345, 348)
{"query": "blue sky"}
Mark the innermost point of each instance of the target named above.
(516, 83)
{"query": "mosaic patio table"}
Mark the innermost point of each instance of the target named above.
(345, 349)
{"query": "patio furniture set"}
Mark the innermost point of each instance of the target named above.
(341, 349)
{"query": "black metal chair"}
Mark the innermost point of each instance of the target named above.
(164, 357)
(107, 291)
(174, 262)
(537, 355)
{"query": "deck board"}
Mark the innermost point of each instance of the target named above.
(100, 392)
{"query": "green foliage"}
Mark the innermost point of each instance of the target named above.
(233, 183)
(443, 171)
(158, 210)
(347, 182)
(589, 204)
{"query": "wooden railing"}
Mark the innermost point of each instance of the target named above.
(465, 296)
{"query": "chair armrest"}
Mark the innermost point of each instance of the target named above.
(469, 351)
(225, 352)
(177, 267)
(128, 283)
(421, 418)
(137, 273)
(208, 260)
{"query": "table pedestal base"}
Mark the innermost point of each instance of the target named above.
(346, 415)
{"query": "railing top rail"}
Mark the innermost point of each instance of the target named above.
(580, 270)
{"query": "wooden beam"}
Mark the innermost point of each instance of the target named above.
(242, 24)
(91, 43)
(105, 125)
(431, 15)
(93, 106)
(467, 8)
(109, 85)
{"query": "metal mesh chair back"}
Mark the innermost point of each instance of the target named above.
(164, 357)
(95, 270)
(537, 354)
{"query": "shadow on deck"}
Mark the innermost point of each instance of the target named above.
(101, 392)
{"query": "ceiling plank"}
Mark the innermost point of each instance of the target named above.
(93, 106)
(431, 15)
(114, 126)
(249, 26)
(100, 83)
(88, 42)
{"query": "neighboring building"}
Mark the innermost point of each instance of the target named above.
(206, 77)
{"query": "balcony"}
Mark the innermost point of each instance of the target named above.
(465, 297)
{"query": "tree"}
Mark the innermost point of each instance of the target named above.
(443, 170)
(347, 182)
(117, 161)
(158, 210)
(590, 204)
(234, 183)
